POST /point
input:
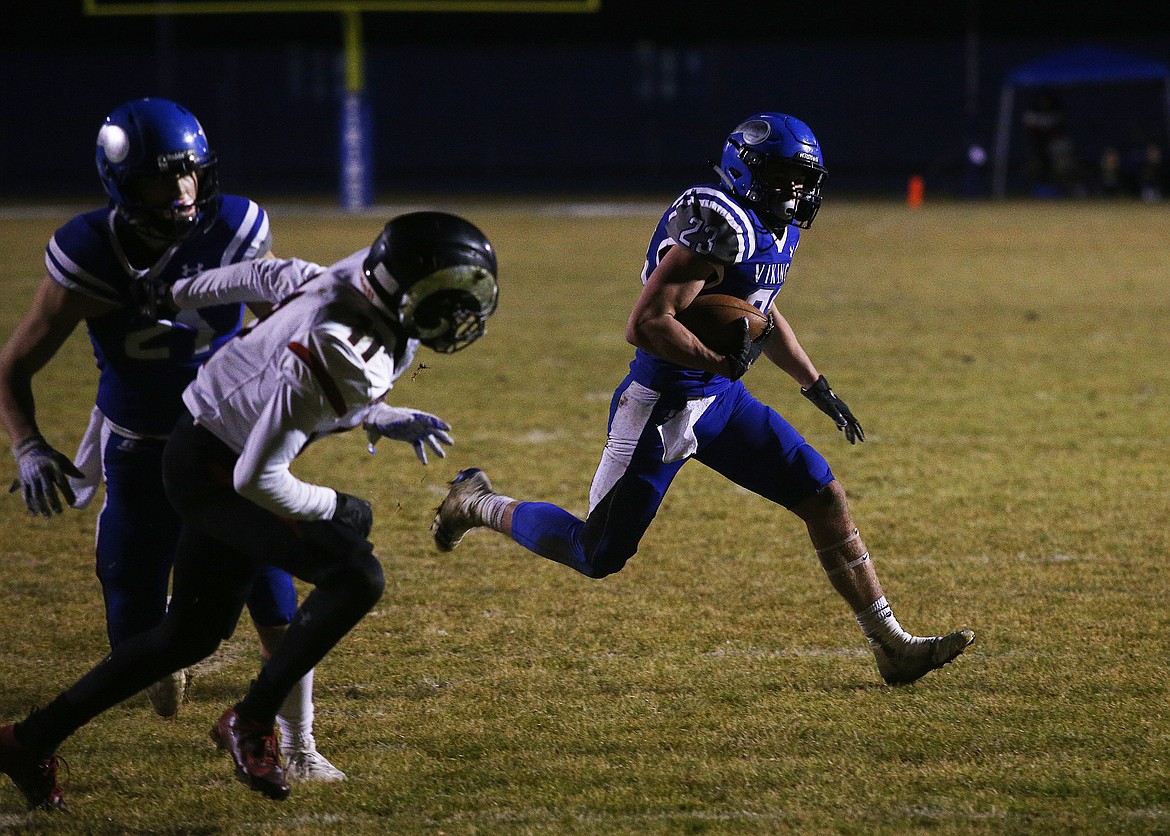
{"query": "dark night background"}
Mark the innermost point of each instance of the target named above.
(634, 98)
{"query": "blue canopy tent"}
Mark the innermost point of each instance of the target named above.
(1082, 65)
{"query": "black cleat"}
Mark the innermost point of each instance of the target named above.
(34, 776)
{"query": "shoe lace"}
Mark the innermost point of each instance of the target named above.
(60, 767)
(269, 750)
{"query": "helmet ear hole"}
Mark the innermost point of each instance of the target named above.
(767, 152)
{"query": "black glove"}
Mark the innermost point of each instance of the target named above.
(43, 472)
(826, 401)
(153, 298)
(354, 513)
(742, 359)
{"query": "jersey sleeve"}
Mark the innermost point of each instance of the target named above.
(256, 280)
(78, 257)
(324, 387)
(251, 234)
(710, 224)
(262, 473)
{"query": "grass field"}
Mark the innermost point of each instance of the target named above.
(1010, 366)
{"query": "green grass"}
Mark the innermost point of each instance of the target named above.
(1009, 364)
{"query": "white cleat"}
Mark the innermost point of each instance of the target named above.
(903, 665)
(168, 694)
(455, 516)
(309, 765)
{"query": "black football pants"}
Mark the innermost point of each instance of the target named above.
(224, 543)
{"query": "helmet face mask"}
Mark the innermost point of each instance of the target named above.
(148, 149)
(773, 162)
(448, 310)
(436, 274)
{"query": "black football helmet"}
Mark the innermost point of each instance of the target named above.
(436, 273)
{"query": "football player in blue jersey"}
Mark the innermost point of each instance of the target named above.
(166, 220)
(681, 400)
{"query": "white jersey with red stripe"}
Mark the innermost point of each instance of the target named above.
(314, 366)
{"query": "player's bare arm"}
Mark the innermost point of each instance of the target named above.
(53, 315)
(785, 350)
(42, 331)
(653, 326)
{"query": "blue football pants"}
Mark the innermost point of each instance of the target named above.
(735, 435)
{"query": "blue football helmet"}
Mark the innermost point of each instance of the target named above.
(149, 138)
(761, 160)
(436, 273)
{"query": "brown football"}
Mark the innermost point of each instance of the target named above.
(712, 318)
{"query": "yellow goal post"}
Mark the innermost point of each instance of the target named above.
(356, 153)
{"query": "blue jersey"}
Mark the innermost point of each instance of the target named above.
(145, 364)
(711, 223)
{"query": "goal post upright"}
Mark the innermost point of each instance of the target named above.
(356, 175)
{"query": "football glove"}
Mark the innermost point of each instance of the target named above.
(420, 429)
(826, 400)
(152, 298)
(742, 359)
(43, 472)
(354, 513)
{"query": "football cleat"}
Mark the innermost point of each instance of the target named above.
(309, 765)
(168, 694)
(909, 663)
(252, 746)
(34, 776)
(456, 515)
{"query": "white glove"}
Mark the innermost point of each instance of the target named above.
(43, 472)
(420, 429)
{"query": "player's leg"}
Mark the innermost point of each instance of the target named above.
(210, 589)
(272, 604)
(759, 450)
(627, 491)
(347, 578)
(136, 534)
(901, 657)
(347, 581)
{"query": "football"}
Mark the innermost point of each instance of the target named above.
(712, 318)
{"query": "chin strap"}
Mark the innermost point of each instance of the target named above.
(723, 177)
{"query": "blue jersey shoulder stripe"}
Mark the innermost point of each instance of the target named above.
(251, 234)
(66, 272)
(736, 216)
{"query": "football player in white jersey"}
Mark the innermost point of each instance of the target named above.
(320, 363)
(166, 219)
(683, 401)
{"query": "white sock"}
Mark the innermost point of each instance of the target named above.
(295, 719)
(877, 622)
(491, 509)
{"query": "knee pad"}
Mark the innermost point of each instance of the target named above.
(359, 577)
(372, 580)
(188, 644)
(603, 565)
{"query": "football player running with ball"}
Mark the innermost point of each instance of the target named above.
(166, 219)
(683, 401)
(320, 363)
